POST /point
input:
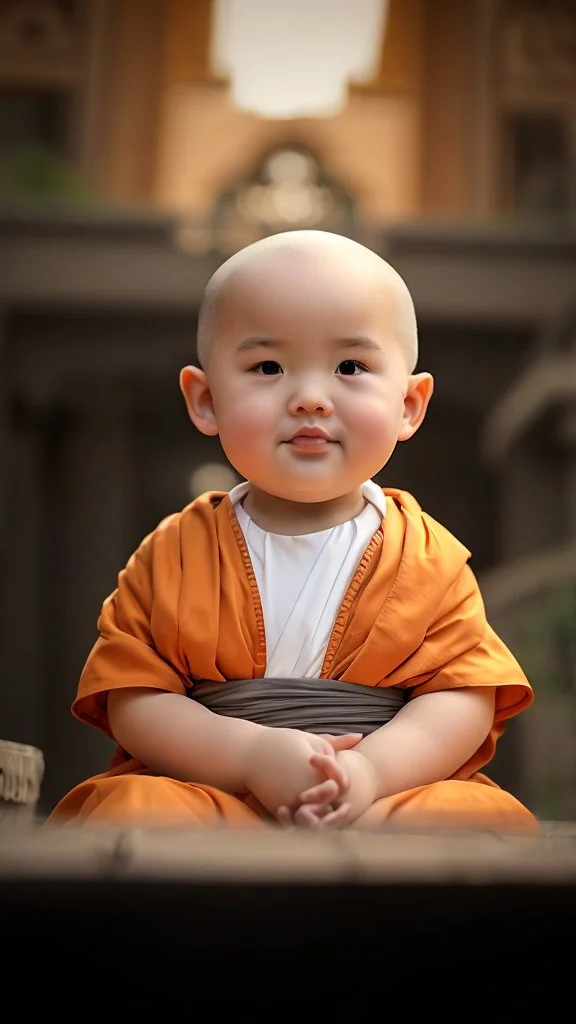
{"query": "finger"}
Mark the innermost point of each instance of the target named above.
(327, 750)
(317, 815)
(324, 793)
(308, 817)
(322, 815)
(331, 769)
(284, 816)
(335, 818)
(347, 742)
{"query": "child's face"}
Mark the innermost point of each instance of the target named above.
(309, 388)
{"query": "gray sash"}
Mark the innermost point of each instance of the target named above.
(314, 705)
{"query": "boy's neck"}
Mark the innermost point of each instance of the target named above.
(294, 518)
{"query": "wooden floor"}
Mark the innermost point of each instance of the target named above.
(177, 923)
(274, 855)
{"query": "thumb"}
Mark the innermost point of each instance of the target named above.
(343, 742)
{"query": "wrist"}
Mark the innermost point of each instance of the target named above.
(363, 779)
(249, 753)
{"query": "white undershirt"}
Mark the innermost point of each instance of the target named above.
(302, 582)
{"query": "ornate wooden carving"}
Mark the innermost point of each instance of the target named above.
(538, 44)
(32, 29)
(288, 190)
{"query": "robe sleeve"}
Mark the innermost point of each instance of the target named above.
(137, 641)
(461, 649)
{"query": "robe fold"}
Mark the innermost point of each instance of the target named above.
(187, 608)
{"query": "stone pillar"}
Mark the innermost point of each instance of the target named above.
(567, 437)
(532, 516)
(21, 511)
(3, 438)
(89, 545)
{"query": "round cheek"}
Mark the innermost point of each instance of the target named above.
(246, 414)
(373, 423)
(246, 426)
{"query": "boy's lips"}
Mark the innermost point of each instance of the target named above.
(311, 439)
(317, 433)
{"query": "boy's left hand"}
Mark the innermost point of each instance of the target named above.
(323, 808)
(324, 805)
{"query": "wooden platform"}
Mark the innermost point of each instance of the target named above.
(181, 922)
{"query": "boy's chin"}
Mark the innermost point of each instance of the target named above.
(310, 495)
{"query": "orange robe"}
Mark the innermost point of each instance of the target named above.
(187, 607)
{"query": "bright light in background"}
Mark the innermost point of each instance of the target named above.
(212, 476)
(294, 58)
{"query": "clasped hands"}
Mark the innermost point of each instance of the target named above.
(307, 780)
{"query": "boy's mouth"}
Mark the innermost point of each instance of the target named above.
(311, 439)
(317, 433)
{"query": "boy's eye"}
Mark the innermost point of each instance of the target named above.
(350, 367)
(269, 367)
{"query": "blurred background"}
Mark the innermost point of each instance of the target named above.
(144, 141)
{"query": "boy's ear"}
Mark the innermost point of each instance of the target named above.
(198, 398)
(418, 394)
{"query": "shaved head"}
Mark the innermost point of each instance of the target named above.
(309, 249)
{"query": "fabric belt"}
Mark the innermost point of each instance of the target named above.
(313, 705)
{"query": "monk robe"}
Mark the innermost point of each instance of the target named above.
(187, 609)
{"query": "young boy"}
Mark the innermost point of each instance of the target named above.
(308, 649)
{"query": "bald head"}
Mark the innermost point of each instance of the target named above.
(305, 250)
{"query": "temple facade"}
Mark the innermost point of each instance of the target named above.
(127, 175)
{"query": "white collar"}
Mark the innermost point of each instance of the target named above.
(370, 491)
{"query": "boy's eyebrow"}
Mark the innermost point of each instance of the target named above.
(248, 343)
(356, 342)
(360, 342)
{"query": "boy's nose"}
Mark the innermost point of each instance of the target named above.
(311, 402)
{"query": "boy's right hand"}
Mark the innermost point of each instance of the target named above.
(277, 765)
